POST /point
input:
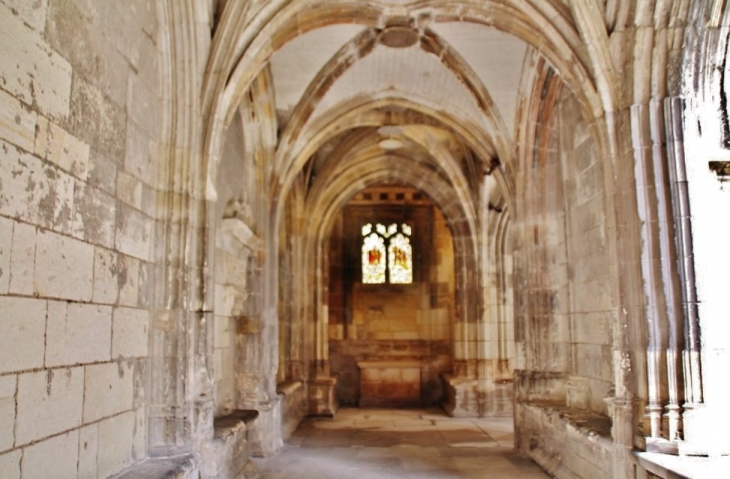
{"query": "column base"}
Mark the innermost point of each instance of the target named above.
(322, 398)
(475, 398)
(264, 436)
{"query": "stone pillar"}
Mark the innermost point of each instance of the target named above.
(322, 397)
(470, 390)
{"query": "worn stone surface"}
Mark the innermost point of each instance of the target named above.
(7, 411)
(61, 450)
(116, 444)
(67, 330)
(406, 443)
(6, 245)
(69, 275)
(22, 342)
(10, 464)
(17, 124)
(49, 402)
(31, 70)
(130, 333)
(109, 389)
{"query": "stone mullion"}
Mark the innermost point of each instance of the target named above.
(503, 291)
(674, 145)
(670, 423)
(321, 348)
(295, 370)
(690, 354)
(646, 187)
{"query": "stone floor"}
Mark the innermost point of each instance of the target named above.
(399, 444)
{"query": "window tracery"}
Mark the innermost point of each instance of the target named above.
(397, 266)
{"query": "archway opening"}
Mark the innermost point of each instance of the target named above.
(391, 299)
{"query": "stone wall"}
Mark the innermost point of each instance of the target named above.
(80, 117)
(564, 303)
(435, 358)
(564, 298)
(386, 322)
(542, 287)
(588, 295)
(565, 442)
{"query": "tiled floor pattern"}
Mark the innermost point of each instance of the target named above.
(399, 444)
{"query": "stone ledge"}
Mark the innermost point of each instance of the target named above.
(468, 397)
(549, 426)
(227, 454)
(294, 405)
(587, 423)
(229, 420)
(669, 466)
(393, 364)
(181, 467)
(322, 398)
(287, 388)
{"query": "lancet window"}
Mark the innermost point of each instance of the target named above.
(387, 254)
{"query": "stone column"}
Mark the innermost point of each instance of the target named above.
(322, 398)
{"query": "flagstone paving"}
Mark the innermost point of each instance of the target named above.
(399, 444)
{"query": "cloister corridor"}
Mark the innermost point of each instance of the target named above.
(235, 234)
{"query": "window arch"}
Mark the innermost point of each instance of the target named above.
(397, 266)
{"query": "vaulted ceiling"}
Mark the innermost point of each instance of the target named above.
(496, 58)
(472, 71)
(427, 83)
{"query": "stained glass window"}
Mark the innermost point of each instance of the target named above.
(400, 260)
(373, 259)
(399, 264)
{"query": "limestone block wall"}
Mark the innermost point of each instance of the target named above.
(542, 328)
(79, 125)
(564, 300)
(435, 357)
(588, 277)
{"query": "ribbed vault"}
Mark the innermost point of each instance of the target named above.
(245, 48)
